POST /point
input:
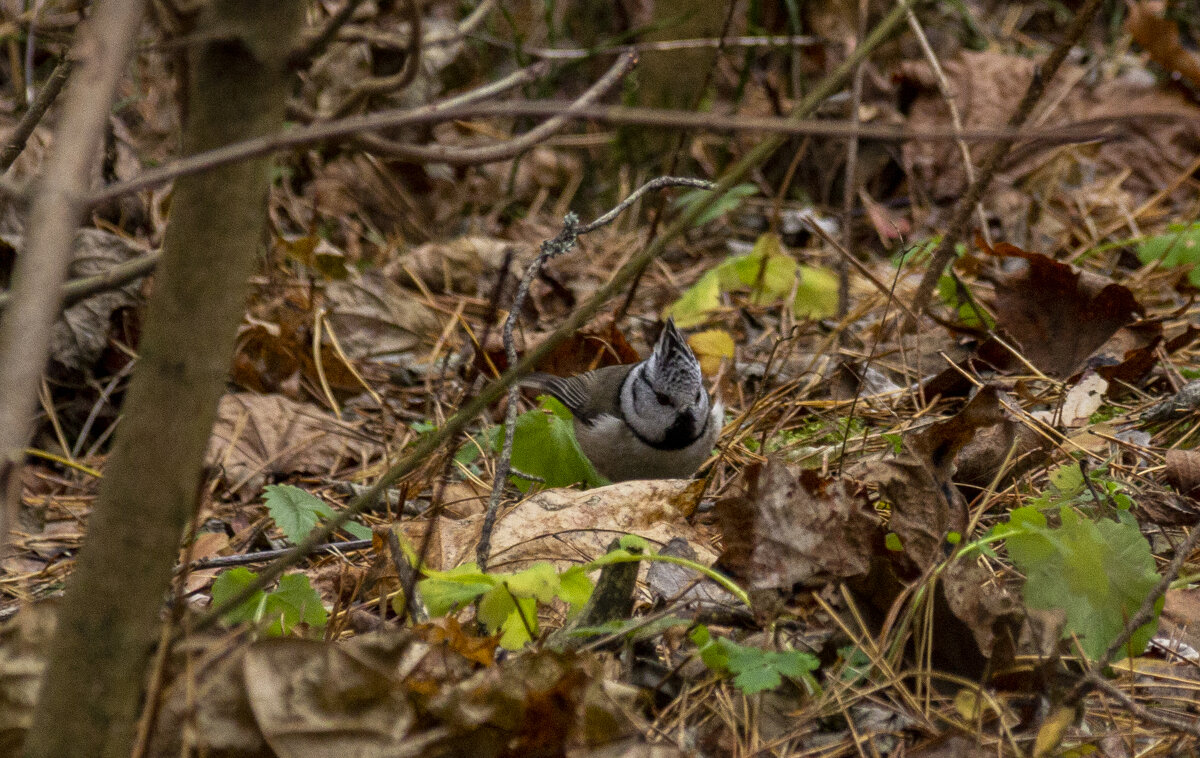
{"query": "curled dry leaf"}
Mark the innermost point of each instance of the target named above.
(256, 436)
(540, 703)
(293, 697)
(783, 528)
(312, 699)
(988, 613)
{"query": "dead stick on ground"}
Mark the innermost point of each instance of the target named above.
(563, 243)
(966, 205)
(457, 423)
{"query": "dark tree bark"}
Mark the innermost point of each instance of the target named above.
(111, 614)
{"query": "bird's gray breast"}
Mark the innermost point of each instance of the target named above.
(619, 455)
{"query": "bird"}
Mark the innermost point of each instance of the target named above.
(647, 420)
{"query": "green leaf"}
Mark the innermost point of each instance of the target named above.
(229, 583)
(1098, 572)
(817, 293)
(767, 271)
(444, 591)
(754, 669)
(298, 511)
(697, 301)
(539, 581)
(292, 602)
(575, 588)
(892, 542)
(514, 617)
(357, 530)
(544, 446)
(1179, 246)
(731, 199)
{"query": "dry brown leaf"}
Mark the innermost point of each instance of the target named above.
(926, 506)
(783, 528)
(1160, 37)
(374, 316)
(1183, 471)
(468, 265)
(540, 703)
(567, 526)
(1083, 399)
(81, 333)
(1058, 314)
(256, 436)
(313, 699)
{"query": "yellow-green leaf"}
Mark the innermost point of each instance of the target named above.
(817, 293)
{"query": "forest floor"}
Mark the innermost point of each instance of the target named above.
(970, 531)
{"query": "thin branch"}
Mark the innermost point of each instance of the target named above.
(58, 204)
(562, 244)
(317, 46)
(575, 54)
(850, 186)
(262, 556)
(508, 148)
(456, 107)
(458, 423)
(952, 108)
(412, 61)
(1080, 131)
(114, 278)
(30, 119)
(966, 205)
(1186, 725)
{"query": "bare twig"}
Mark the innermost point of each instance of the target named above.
(966, 205)
(57, 209)
(412, 61)
(30, 119)
(561, 244)
(576, 54)
(851, 183)
(952, 108)
(449, 109)
(457, 423)
(508, 148)
(1080, 131)
(327, 34)
(262, 556)
(115, 277)
(1186, 725)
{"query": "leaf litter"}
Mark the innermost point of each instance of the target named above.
(936, 530)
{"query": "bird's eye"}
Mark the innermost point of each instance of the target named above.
(662, 398)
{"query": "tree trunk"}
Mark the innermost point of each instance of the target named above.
(109, 621)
